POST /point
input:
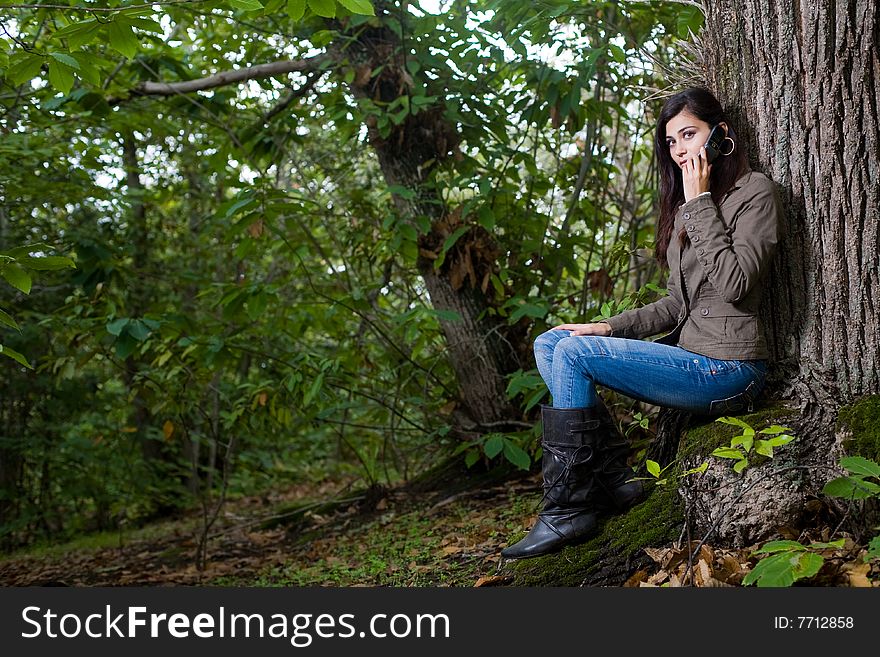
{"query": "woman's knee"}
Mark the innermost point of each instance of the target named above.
(545, 343)
(580, 348)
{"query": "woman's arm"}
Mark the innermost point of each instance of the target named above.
(657, 317)
(735, 262)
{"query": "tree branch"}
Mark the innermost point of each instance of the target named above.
(102, 9)
(296, 94)
(259, 71)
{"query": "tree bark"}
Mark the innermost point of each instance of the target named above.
(801, 83)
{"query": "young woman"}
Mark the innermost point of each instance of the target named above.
(717, 234)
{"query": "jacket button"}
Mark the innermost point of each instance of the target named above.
(701, 251)
(704, 311)
(696, 238)
(687, 215)
(690, 228)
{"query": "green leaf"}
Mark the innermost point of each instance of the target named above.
(452, 239)
(115, 328)
(764, 448)
(778, 441)
(851, 488)
(807, 565)
(313, 389)
(60, 77)
(25, 69)
(527, 310)
(471, 457)
(142, 23)
(653, 467)
(362, 7)
(774, 571)
(296, 9)
(16, 277)
(91, 75)
(873, 549)
(26, 250)
(734, 421)
(536, 397)
(138, 330)
(779, 546)
(446, 315)
(747, 441)
(8, 321)
(238, 205)
(78, 34)
(325, 8)
(247, 5)
(493, 445)
(14, 355)
(774, 429)
(739, 466)
(516, 455)
(65, 59)
(125, 345)
(699, 469)
(46, 263)
(122, 38)
(727, 453)
(486, 218)
(860, 466)
(839, 543)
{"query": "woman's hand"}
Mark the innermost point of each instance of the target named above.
(695, 176)
(599, 328)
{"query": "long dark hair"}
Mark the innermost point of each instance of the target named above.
(702, 104)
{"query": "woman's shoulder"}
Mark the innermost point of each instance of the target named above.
(754, 181)
(752, 187)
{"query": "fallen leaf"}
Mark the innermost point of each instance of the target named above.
(491, 580)
(637, 578)
(857, 573)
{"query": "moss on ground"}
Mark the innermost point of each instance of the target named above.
(862, 420)
(702, 439)
(655, 521)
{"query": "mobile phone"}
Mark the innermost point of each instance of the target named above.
(713, 144)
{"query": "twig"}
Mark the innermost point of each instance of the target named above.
(105, 9)
(747, 489)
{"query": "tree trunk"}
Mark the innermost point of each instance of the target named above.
(801, 83)
(482, 349)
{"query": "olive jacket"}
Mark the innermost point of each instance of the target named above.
(715, 283)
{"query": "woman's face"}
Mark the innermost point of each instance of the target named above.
(685, 136)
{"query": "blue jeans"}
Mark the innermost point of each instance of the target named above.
(651, 372)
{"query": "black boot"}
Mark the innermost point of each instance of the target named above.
(568, 463)
(614, 493)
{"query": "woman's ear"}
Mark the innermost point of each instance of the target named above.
(724, 127)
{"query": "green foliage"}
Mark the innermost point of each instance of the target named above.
(858, 485)
(490, 446)
(861, 484)
(16, 267)
(249, 305)
(661, 477)
(789, 562)
(742, 446)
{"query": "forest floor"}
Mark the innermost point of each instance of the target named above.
(398, 540)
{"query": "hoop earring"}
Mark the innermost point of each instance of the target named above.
(732, 146)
